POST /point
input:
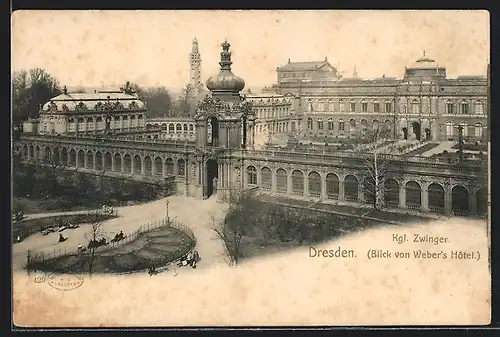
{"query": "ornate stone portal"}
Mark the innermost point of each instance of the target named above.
(224, 123)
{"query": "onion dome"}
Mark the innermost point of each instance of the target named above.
(225, 81)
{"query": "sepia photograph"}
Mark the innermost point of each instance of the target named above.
(250, 168)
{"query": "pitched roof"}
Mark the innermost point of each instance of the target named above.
(304, 65)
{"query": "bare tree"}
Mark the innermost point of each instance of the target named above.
(185, 101)
(230, 239)
(93, 236)
(236, 225)
(376, 163)
(54, 162)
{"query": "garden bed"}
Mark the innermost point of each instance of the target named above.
(157, 247)
(27, 227)
(472, 147)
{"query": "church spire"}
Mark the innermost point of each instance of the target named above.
(355, 73)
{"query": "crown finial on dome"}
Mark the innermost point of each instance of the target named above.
(225, 56)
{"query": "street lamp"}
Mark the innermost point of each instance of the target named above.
(166, 208)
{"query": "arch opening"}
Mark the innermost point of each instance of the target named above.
(266, 178)
(297, 182)
(315, 184)
(460, 201)
(413, 195)
(212, 177)
(436, 198)
(332, 186)
(281, 181)
(351, 188)
(416, 130)
(391, 193)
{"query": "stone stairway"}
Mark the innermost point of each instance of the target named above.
(440, 148)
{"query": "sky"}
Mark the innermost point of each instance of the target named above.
(151, 48)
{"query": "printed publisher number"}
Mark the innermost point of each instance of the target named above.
(39, 279)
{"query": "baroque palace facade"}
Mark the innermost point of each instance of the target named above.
(218, 156)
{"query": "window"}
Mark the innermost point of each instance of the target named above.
(191, 127)
(464, 108)
(81, 124)
(330, 124)
(415, 107)
(352, 105)
(297, 182)
(266, 177)
(375, 124)
(185, 127)
(309, 123)
(323, 105)
(449, 129)
(341, 106)
(478, 130)
(293, 126)
(330, 105)
(169, 166)
(364, 124)
(171, 128)
(117, 122)
(464, 129)
(281, 181)
(252, 175)
(71, 125)
(352, 123)
(364, 106)
(388, 106)
(309, 105)
(341, 124)
(314, 184)
(376, 106)
(178, 128)
(450, 107)
(478, 108)
(320, 124)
